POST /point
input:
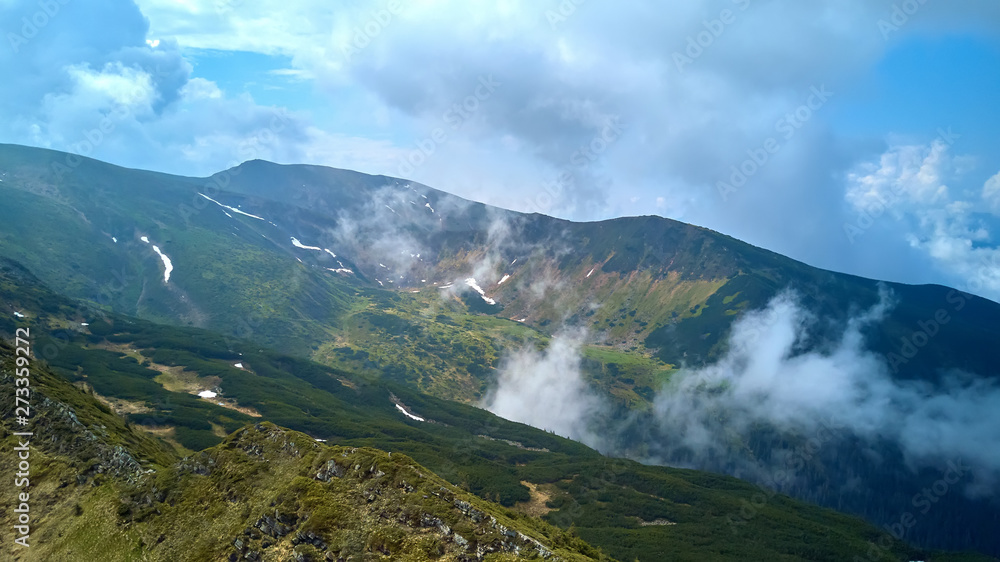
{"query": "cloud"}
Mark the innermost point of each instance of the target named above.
(90, 83)
(909, 186)
(545, 389)
(767, 378)
(773, 376)
(991, 194)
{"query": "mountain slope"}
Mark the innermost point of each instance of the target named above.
(112, 493)
(383, 276)
(631, 511)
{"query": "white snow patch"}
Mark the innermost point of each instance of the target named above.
(19, 315)
(297, 244)
(113, 239)
(145, 239)
(391, 209)
(329, 252)
(513, 262)
(591, 272)
(505, 277)
(522, 320)
(340, 270)
(233, 209)
(428, 205)
(382, 265)
(408, 414)
(168, 266)
(207, 394)
(381, 284)
(84, 324)
(475, 287)
(238, 365)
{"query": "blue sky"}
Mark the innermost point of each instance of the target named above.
(895, 176)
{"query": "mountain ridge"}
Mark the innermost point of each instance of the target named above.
(382, 282)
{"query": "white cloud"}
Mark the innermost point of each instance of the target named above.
(909, 183)
(115, 85)
(905, 175)
(546, 390)
(991, 194)
(764, 377)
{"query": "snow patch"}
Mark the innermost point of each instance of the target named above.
(340, 270)
(505, 277)
(475, 287)
(168, 266)
(238, 365)
(207, 394)
(233, 209)
(331, 253)
(428, 205)
(145, 239)
(408, 414)
(113, 239)
(591, 272)
(19, 315)
(297, 244)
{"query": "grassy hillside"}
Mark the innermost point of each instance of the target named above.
(629, 510)
(106, 491)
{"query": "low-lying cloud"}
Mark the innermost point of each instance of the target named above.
(767, 378)
(772, 377)
(546, 389)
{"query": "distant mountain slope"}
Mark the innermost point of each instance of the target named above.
(643, 283)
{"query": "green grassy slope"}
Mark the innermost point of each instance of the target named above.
(103, 490)
(629, 510)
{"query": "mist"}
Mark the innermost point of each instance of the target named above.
(546, 389)
(767, 378)
(771, 376)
